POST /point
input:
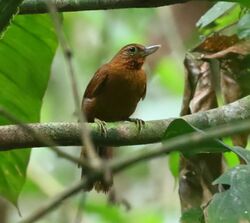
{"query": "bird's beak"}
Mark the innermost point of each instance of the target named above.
(150, 49)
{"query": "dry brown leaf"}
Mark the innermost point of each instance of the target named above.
(199, 92)
(198, 172)
(233, 55)
(216, 43)
(235, 84)
(241, 48)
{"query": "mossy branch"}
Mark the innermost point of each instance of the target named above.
(120, 133)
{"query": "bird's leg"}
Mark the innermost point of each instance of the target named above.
(102, 126)
(138, 122)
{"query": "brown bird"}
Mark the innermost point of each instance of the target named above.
(114, 91)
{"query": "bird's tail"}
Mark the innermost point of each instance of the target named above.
(100, 185)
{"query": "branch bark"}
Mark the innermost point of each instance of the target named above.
(39, 6)
(120, 133)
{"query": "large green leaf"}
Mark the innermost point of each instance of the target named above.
(220, 16)
(218, 10)
(26, 53)
(232, 205)
(180, 127)
(8, 8)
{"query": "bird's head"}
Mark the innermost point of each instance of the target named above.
(132, 56)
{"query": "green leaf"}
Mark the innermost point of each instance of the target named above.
(218, 10)
(229, 14)
(8, 8)
(180, 127)
(243, 26)
(26, 53)
(232, 205)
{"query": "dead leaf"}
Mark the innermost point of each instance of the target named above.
(198, 172)
(199, 92)
(216, 43)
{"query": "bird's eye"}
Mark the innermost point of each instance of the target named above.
(132, 50)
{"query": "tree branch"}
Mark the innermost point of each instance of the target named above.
(120, 133)
(39, 6)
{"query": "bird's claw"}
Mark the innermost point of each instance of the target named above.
(138, 122)
(102, 126)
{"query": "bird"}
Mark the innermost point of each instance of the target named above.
(113, 94)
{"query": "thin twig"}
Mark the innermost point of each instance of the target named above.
(45, 209)
(85, 135)
(176, 144)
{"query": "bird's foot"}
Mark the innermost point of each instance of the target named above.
(138, 122)
(102, 126)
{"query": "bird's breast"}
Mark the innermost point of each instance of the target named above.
(120, 96)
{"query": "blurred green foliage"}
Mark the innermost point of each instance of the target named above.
(169, 73)
(174, 164)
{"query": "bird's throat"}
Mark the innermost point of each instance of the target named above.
(133, 64)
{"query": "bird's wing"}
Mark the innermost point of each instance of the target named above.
(97, 83)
